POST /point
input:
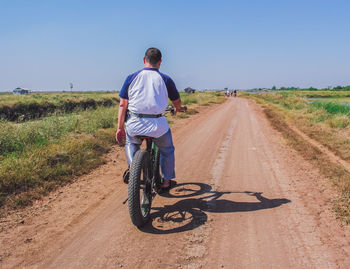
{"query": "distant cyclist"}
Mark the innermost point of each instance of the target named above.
(145, 95)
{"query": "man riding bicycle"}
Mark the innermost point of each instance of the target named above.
(144, 95)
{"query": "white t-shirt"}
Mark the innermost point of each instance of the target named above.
(148, 91)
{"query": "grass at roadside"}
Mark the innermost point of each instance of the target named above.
(18, 137)
(37, 156)
(35, 173)
(327, 124)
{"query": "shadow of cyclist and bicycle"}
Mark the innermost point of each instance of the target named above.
(189, 213)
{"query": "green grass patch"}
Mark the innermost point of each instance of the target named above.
(18, 137)
(332, 107)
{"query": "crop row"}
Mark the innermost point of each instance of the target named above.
(23, 111)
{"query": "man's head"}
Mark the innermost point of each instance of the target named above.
(153, 58)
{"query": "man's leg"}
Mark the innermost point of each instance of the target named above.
(167, 157)
(132, 145)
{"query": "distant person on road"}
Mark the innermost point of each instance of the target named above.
(145, 95)
(235, 93)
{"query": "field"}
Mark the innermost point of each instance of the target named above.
(39, 151)
(34, 106)
(323, 94)
(323, 116)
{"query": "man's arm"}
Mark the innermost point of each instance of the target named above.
(120, 134)
(177, 105)
(173, 93)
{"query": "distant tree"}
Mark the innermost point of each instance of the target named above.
(338, 88)
(311, 89)
(273, 88)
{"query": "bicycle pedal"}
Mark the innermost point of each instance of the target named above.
(126, 176)
(124, 202)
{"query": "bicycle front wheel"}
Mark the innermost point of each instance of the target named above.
(140, 189)
(156, 170)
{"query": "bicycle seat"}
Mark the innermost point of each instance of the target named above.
(144, 137)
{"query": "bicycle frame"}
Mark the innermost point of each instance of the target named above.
(152, 149)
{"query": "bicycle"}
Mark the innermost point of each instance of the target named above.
(144, 181)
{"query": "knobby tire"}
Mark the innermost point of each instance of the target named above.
(139, 167)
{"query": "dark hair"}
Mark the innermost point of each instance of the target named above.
(153, 56)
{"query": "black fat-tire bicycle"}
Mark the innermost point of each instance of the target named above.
(144, 182)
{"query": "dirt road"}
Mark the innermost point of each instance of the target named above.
(243, 200)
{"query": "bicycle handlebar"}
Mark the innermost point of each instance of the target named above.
(171, 109)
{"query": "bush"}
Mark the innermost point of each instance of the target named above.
(333, 108)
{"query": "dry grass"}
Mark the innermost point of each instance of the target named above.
(35, 173)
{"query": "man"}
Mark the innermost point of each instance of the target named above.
(145, 94)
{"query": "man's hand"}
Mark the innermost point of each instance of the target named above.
(180, 109)
(120, 136)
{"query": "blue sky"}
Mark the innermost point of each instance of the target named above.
(45, 45)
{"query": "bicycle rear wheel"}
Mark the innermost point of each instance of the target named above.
(140, 189)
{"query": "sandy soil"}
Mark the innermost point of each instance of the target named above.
(243, 200)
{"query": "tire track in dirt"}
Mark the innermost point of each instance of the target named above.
(196, 249)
